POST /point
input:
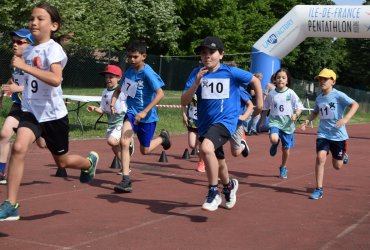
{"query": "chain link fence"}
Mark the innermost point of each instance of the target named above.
(83, 67)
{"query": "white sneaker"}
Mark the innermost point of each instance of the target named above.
(230, 195)
(212, 205)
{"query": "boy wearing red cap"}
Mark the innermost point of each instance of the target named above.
(331, 134)
(112, 75)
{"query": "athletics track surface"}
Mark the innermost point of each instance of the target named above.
(164, 211)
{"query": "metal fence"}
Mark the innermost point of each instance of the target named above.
(83, 67)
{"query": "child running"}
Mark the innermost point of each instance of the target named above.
(237, 142)
(190, 119)
(112, 74)
(20, 40)
(143, 88)
(331, 134)
(285, 107)
(44, 112)
(217, 88)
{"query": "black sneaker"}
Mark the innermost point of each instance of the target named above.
(166, 144)
(273, 148)
(245, 151)
(2, 179)
(123, 187)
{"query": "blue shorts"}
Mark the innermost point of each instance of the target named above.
(144, 131)
(287, 140)
(337, 148)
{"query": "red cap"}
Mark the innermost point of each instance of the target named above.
(112, 69)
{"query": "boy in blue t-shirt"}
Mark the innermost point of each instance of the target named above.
(217, 88)
(143, 88)
(331, 134)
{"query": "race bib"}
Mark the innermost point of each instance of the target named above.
(37, 89)
(282, 106)
(214, 88)
(129, 87)
(326, 111)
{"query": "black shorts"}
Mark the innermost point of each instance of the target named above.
(191, 129)
(15, 111)
(336, 148)
(54, 132)
(218, 135)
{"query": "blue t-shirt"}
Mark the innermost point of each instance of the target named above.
(244, 98)
(219, 96)
(19, 79)
(140, 88)
(330, 108)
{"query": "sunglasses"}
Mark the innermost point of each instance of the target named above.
(19, 42)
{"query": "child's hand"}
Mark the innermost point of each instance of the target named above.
(201, 73)
(340, 123)
(91, 108)
(17, 62)
(141, 115)
(304, 125)
(294, 117)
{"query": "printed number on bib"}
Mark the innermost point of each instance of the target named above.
(129, 87)
(325, 111)
(37, 89)
(282, 109)
(213, 88)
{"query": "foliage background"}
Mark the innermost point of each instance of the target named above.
(174, 27)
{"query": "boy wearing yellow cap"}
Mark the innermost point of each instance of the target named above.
(331, 134)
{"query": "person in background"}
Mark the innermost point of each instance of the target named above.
(284, 107)
(20, 40)
(251, 123)
(112, 75)
(189, 118)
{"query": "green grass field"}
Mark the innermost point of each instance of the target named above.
(169, 118)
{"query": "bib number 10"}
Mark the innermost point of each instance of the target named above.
(215, 88)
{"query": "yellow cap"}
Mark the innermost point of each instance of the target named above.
(327, 73)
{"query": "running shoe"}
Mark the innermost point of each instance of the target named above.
(245, 151)
(124, 186)
(318, 193)
(230, 194)
(87, 176)
(9, 212)
(212, 202)
(166, 143)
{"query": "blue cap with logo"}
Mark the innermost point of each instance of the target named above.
(23, 33)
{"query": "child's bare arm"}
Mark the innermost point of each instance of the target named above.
(353, 109)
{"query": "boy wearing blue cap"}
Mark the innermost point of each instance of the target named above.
(20, 40)
(331, 134)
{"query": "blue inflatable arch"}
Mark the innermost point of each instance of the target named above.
(352, 21)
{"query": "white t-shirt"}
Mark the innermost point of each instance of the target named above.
(45, 102)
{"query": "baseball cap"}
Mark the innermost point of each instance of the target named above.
(112, 69)
(326, 73)
(23, 33)
(210, 42)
